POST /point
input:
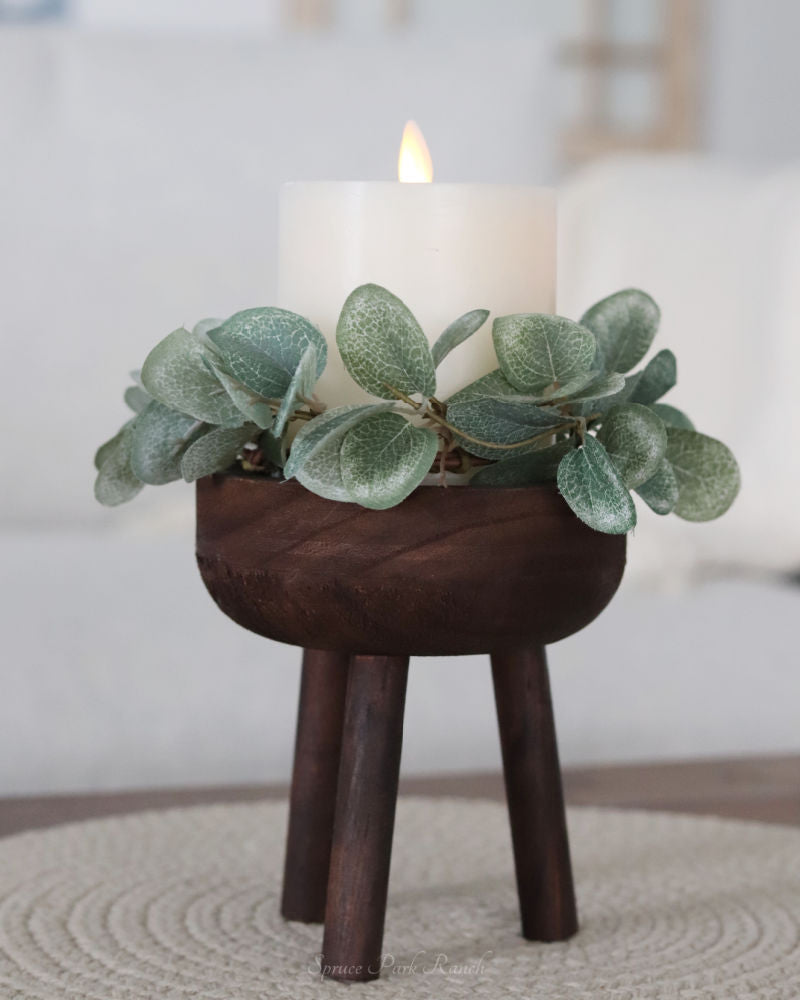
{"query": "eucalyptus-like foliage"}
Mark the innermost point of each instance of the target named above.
(563, 406)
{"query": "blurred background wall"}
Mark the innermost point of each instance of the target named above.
(142, 143)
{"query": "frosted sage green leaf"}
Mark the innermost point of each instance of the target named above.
(160, 437)
(175, 374)
(384, 458)
(535, 350)
(314, 456)
(487, 386)
(136, 398)
(708, 475)
(594, 490)
(263, 347)
(214, 451)
(599, 386)
(109, 447)
(624, 325)
(524, 470)
(636, 441)
(382, 344)
(458, 331)
(116, 482)
(672, 416)
(301, 386)
(253, 407)
(659, 376)
(600, 405)
(660, 492)
(486, 422)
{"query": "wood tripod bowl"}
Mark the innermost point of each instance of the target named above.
(448, 571)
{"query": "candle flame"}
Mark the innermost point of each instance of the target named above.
(414, 164)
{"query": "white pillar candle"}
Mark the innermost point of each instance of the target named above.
(442, 248)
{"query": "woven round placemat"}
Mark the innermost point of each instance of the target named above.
(184, 904)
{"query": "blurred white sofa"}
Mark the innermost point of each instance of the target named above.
(140, 194)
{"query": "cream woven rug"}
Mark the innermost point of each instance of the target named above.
(184, 904)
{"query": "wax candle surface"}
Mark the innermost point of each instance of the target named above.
(442, 248)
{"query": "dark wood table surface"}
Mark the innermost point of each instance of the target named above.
(755, 788)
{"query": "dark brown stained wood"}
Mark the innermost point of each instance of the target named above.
(534, 793)
(318, 741)
(364, 824)
(448, 571)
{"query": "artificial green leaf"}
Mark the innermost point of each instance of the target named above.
(487, 386)
(110, 446)
(160, 437)
(636, 441)
(253, 407)
(671, 416)
(383, 345)
(599, 386)
(594, 490)
(136, 398)
(708, 474)
(262, 348)
(214, 451)
(524, 470)
(176, 375)
(660, 492)
(535, 350)
(300, 387)
(116, 482)
(458, 331)
(596, 406)
(659, 376)
(624, 325)
(384, 458)
(314, 456)
(496, 422)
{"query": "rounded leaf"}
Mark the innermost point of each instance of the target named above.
(536, 349)
(594, 490)
(624, 324)
(214, 451)
(160, 437)
(635, 440)
(660, 374)
(383, 345)
(262, 348)
(176, 375)
(459, 330)
(489, 423)
(315, 456)
(660, 492)
(116, 481)
(384, 458)
(671, 416)
(707, 473)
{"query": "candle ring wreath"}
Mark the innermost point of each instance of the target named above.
(562, 406)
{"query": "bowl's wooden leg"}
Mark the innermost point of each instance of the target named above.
(318, 742)
(365, 807)
(535, 796)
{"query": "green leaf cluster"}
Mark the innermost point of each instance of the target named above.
(564, 405)
(608, 433)
(226, 388)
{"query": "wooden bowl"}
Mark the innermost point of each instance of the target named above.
(449, 571)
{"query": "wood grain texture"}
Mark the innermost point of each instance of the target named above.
(365, 808)
(318, 741)
(448, 571)
(534, 794)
